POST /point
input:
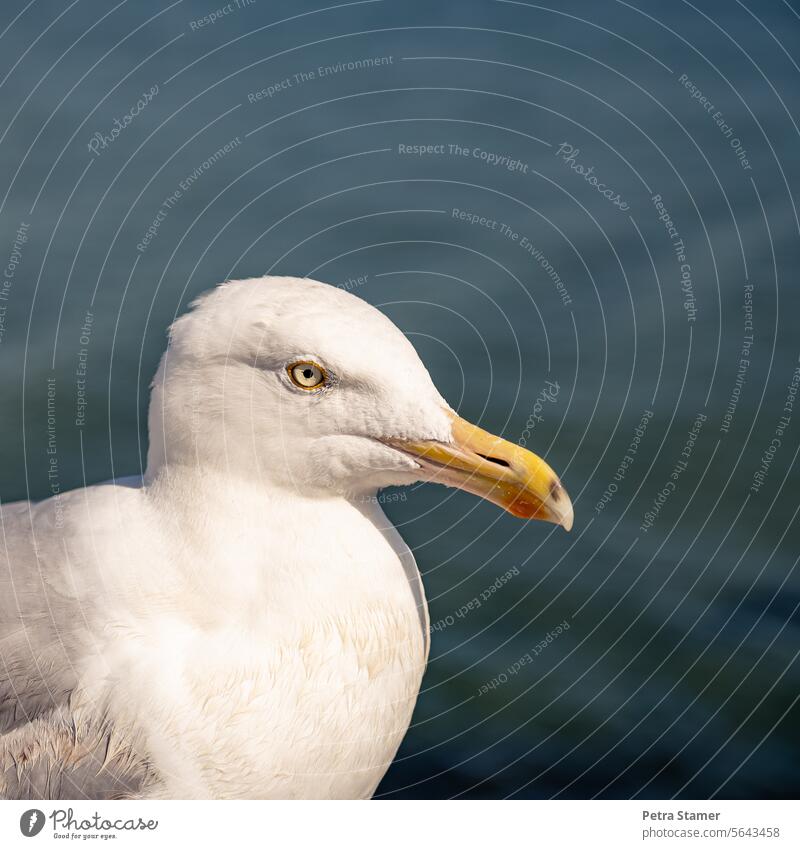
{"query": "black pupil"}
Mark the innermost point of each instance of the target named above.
(307, 373)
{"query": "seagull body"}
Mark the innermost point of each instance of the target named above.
(243, 621)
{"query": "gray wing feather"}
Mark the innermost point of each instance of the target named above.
(51, 758)
(37, 632)
(49, 748)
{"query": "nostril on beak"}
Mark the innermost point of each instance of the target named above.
(496, 460)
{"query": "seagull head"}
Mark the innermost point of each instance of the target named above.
(306, 387)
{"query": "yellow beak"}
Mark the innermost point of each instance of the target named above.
(499, 471)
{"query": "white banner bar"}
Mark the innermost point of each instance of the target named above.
(405, 825)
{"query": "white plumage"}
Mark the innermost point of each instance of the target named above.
(243, 621)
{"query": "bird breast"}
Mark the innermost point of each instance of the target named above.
(302, 689)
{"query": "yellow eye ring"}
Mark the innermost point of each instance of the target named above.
(307, 375)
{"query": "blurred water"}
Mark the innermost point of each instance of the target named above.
(678, 673)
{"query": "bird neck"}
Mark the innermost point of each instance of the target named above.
(251, 548)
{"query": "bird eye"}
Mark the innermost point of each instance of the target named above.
(307, 375)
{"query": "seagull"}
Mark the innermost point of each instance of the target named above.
(242, 621)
